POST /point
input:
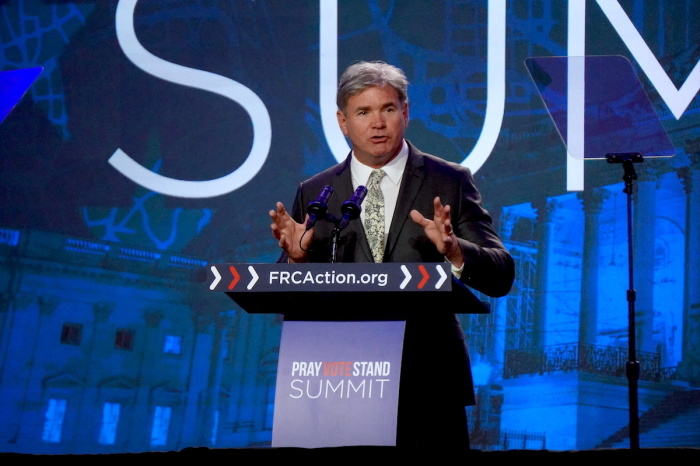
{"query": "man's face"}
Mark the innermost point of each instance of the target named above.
(375, 122)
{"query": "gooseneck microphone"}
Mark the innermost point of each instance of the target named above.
(317, 209)
(352, 207)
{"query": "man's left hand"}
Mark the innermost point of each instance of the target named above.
(439, 231)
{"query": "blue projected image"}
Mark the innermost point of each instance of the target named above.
(150, 139)
(13, 85)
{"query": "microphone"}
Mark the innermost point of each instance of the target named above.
(317, 209)
(351, 208)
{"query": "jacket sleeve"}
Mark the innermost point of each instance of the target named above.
(488, 266)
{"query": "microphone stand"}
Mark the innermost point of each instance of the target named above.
(335, 237)
(632, 367)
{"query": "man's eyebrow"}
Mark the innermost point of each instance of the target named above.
(383, 106)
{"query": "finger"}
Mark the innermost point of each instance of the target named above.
(442, 214)
(278, 212)
(447, 225)
(439, 209)
(276, 232)
(418, 217)
(280, 209)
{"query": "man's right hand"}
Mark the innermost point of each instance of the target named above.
(292, 236)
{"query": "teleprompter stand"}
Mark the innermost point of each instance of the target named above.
(632, 366)
(342, 340)
(599, 107)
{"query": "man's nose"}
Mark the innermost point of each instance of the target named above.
(378, 120)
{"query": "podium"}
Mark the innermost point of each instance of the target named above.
(342, 341)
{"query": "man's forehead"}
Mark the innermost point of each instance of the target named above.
(390, 96)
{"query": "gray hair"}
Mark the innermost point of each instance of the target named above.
(361, 75)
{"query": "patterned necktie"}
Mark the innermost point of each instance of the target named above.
(374, 215)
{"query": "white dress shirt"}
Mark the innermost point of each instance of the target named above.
(389, 184)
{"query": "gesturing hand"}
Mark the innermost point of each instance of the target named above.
(439, 231)
(290, 234)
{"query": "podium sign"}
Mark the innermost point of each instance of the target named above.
(285, 278)
(337, 384)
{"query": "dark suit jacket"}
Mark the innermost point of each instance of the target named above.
(435, 355)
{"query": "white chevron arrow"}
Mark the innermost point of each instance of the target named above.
(443, 277)
(217, 278)
(408, 276)
(255, 277)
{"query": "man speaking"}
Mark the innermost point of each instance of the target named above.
(417, 208)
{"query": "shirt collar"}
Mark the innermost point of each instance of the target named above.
(393, 169)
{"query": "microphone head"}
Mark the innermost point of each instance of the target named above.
(318, 208)
(352, 207)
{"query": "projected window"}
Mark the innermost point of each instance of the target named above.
(124, 339)
(161, 423)
(172, 344)
(110, 421)
(53, 420)
(71, 334)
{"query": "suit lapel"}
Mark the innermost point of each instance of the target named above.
(411, 184)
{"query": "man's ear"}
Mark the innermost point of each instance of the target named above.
(342, 121)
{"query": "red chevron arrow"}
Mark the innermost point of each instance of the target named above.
(426, 276)
(236, 277)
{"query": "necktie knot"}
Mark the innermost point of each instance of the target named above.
(375, 177)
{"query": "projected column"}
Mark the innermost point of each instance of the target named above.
(592, 201)
(545, 239)
(644, 241)
(690, 350)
